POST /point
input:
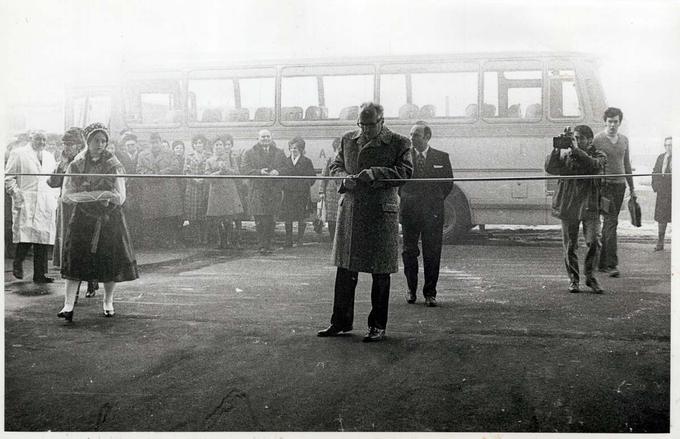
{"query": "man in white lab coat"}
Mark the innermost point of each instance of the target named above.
(34, 205)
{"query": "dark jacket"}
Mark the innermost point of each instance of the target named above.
(576, 199)
(426, 198)
(265, 196)
(663, 186)
(367, 233)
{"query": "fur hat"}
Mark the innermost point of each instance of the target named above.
(95, 128)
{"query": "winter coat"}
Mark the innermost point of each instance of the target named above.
(367, 231)
(663, 186)
(223, 197)
(34, 203)
(576, 199)
(159, 197)
(296, 196)
(265, 196)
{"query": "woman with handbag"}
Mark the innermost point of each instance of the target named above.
(662, 184)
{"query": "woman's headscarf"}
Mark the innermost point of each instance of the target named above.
(93, 129)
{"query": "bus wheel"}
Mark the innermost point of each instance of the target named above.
(457, 220)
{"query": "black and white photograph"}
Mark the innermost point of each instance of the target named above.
(384, 218)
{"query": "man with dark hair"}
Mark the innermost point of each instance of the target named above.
(421, 213)
(34, 205)
(616, 148)
(577, 201)
(367, 234)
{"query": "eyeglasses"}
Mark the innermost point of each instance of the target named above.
(369, 125)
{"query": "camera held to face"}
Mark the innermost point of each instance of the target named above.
(564, 140)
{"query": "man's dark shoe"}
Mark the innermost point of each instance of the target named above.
(614, 272)
(410, 297)
(573, 287)
(430, 301)
(592, 283)
(333, 330)
(43, 280)
(374, 334)
(18, 271)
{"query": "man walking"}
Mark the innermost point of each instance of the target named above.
(34, 206)
(615, 146)
(367, 232)
(421, 213)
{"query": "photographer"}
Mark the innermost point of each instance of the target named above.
(577, 200)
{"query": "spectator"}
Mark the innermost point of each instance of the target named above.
(223, 199)
(615, 146)
(160, 197)
(178, 149)
(97, 244)
(265, 159)
(662, 183)
(422, 213)
(296, 198)
(196, 193)
(578, 201)
(133, 187)
(328, 192)
(34, 206)
(367, 237)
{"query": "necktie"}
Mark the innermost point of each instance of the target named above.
(420, 164)
(668, 165)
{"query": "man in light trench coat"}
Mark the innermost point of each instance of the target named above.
(367, 232)
(34, 205)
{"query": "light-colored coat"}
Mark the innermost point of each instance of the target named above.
(34, 218)
(367, 233)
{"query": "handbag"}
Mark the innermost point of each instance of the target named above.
(635, 212)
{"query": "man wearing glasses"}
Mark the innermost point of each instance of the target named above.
(367, 231)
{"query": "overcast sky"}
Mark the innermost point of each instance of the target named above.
(49, 43)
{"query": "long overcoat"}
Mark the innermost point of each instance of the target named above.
(159, 197)
(663, 186)
(223, 197)
(367, 231)
(265, 196)
(35, 218)
(296, 196)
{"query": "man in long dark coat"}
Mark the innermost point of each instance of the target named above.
(367, 233)
(264, 158)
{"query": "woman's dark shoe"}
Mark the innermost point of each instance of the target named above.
(109, 313)
(92, 287)
(66, 315)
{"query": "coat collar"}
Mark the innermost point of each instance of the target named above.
(385, 135)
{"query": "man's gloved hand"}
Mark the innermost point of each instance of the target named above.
(365, 176)
(349, 183)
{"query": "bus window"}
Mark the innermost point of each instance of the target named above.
(257, 94)
(210, 99)
(98, 110)
(513, 95)
(440, 95)
(392, 93)
(153, 102)
(298, 93)
(309, 94)
(564, 102)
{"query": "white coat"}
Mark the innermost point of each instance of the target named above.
(34, 203)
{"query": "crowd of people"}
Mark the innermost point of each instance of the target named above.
(93, 221)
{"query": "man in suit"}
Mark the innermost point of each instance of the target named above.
(422, 213)
(264, 158)
(367, 234)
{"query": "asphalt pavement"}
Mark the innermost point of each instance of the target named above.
(210, 340)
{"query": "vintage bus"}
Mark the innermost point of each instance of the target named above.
(494, 113)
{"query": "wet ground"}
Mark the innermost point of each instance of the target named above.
(226, 341)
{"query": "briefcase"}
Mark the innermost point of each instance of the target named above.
(635, 212)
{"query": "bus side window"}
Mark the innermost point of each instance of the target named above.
(564, 102)
(508, 92)
(443, 94)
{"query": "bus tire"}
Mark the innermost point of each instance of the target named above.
(457, 221)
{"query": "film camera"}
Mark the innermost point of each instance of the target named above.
(564, 140)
